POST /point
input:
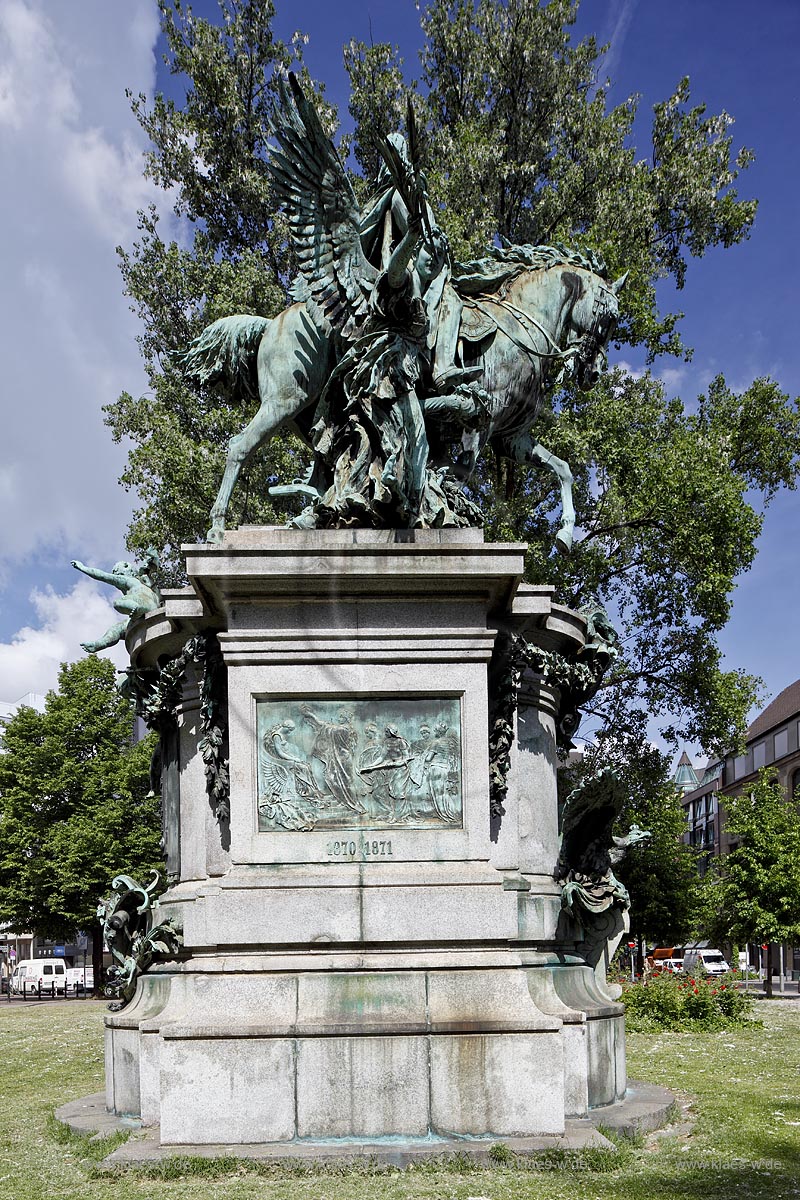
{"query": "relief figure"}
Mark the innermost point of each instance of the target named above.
(368, 764)
(391, 766)
(442, 758)
(379, 798)
(334, 743)
(291, 793)
(418, 766)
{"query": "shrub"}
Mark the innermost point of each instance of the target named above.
(688, 1002)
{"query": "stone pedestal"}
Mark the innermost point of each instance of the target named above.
(366, 954)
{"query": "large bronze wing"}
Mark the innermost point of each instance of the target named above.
(312, 185)
(586, 823)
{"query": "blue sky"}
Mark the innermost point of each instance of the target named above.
(72, 152)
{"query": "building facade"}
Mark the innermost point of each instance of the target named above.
(700, 788)
(8, 709)
(773, 740)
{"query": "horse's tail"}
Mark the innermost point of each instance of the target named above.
(225, 354)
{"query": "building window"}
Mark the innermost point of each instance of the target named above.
(759, 756)
(739, 766)
(794, 785)
(781, 743)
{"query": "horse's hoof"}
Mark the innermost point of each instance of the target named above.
(215, 535)
(563, 542)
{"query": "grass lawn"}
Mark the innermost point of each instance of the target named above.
(744, 1088)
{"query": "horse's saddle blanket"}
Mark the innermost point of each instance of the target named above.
(477, 321)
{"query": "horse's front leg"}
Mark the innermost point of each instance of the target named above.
(523, 449)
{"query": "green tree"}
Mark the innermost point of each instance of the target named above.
(752, 894)
(231, 255)
(519, 139)
(521, 142)
(74, 805)
(660, 873)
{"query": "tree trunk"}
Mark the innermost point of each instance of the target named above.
(768, 980)
(639, 956)
(97, 957)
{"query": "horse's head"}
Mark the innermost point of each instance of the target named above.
(591, 322)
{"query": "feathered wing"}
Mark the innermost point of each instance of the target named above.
(324, 220)
(588, 817)
(275, 776)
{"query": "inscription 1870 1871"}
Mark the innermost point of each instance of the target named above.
(359, 764)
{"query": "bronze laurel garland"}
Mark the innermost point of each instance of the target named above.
(158, 693)
(213, 745)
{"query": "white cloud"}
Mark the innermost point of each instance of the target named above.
(30, 661)
(618, 22)
(72, 185)
(675, 379)
(628, 369)
(8, 483)
(672, 377)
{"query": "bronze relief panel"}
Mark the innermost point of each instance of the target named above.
(359, 764)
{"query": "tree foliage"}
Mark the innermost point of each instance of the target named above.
(209, 153)
(74, 803)
(753, 893)
(660, 874)
(519, 139)
(518, 116)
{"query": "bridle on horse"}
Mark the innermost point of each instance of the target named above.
(596, 336)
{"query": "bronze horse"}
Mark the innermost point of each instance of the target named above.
(378, 304)
(547, 318)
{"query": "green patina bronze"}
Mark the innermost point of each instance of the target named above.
(397, 364)
(140, 595)
(156, 694)
(359, 763)
(591, 895)
(134, 940)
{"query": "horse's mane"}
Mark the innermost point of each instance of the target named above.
(503, 263)
(528, 255)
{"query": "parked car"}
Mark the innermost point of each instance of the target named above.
(29, 973)
(668, 966)
(81, 978)
(707, 962)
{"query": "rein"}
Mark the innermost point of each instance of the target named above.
(589, 345)
(583, 350)
(523, 319)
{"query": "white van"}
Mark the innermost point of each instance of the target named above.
(29, 973)
(709, 962)
(80, 978)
